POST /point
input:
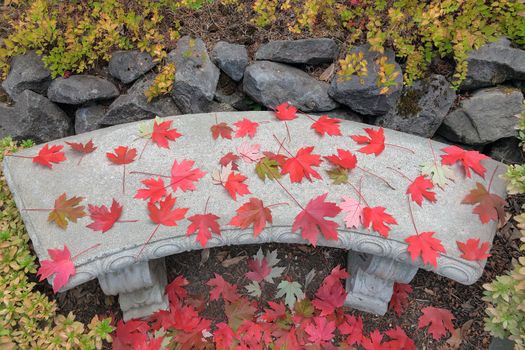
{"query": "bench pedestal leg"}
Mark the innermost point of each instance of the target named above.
(140, 288)
(371, 281)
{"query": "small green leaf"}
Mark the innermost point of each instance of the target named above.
(268, 168)
(254, 289)
(439, 174)
(338, 175)
(291, 291)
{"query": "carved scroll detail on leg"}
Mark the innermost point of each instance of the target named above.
(140, 288)
(371, 281)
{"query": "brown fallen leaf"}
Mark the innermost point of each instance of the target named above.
(233, 261)
(328, 73)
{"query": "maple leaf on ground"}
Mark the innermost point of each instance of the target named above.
(276, 311)
(253, 335)
(122, 156)
(81, 148)
(489, 206)
(426, 246)
(352, 327)
(223, 336)
(285, 111)
(473, 251)
(252, 212)
(375, 141)
(230, 158)
(204, 225)
(374, 341)
(60, 264)
(104, 218)
(254, 289)
(326, 125)
(344, 159)
(354, 210)
(469, 159)
(239, 311)
(154, 192)
(329, 297)
(162, 133)
(223, 288)
(311, 220)
(419, 189)
(286, 339)
(439, 174)
(66, 209)
(335, 276)
(235, 185)
(320, 331)
(164, 214)
(300, 166)
(130, 334)
(439, 321)
(48, 155)
(259, 270)
(246, 127)
(183, 176)
(221, 129)
(378, 218)
(154, 344)
(175, 290)
(271, 260)
(291, 291)
(400, 340)
(250, 153)
(399, 297)
(268, 168)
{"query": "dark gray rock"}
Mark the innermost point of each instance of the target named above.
(421, 107)
(39, 119)
(493, 64)
(340, 113)
(89, 118)
(134, 105)
(78, 89)
(304, 51)
(486, 116)
(7, 121)
(507, 150)
(128, 66)
(232, 59)
(501, 344)
(362, 94)
(27, 73)
(196, 76)
(272, 83)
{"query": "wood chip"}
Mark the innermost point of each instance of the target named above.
(233, 261)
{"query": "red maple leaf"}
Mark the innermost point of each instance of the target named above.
(60, 264)
(246, 127)
(223, 288)
(329, 297)
(286, 339)
(81, 148)
(153, 344)
(311, 220)
(276, 312)
(221, 129)
(259, 270)
(344, 159)
(204, 225)
(284, 111)
(223, 336)
(104, 218)
(165, 214)
(235, 185)
(175, 290)
(399, 297)
(419, 189)
(162, 133)
(48, 155)
(252, 212)
(400, 340)
(327, 125)
(130, 334)
(473, 251)
(375, 141)
(489, 206)
(155, 190)
(352, 326)
(375, 341)
(230, 158)
(426, 246)
(439, 321)
(378, 218)
(300, 166)
(470, 159)
(122, 156)
(320, 331)
(183, 176)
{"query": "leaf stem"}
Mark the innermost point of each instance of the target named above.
(149, 174)
(401, 147)
(412, 215)
(37, 209)
(284, 188)
(400, 173)
(492, 177)
(124, 221)
(81, 157)
(276, 204)
(206, 205)
(149, 239)
(124, 179)
(358, 193)
(17, 156)
(144, 148)
(379, 177)
(85, 250)
(308, 115)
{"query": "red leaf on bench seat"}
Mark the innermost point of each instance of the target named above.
(230, 158)
(122, 156)
(66, 209)
(469, 159)
(375, 141)
(104, 218)
(489, 206)
(165, 214)
(285, 111)
(221, 129)
(311, 221)
(439, 321)
(253, 212)
(246, 127)
(300, 166)
(235, 185)
(86, 148)
(162, 133)
(60, 264)
(344, 159)
(204, 225)
(48, 155)
(183, 176)
(354, 210)
(155, 190)
(419, 189)
(326, 125)
(378, 218)
(472, 250)
(426, 246)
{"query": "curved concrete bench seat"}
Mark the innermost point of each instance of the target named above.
(375, 262)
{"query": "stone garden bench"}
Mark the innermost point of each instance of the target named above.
(137, 272)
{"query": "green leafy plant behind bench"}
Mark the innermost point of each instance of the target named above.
(28, 319)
